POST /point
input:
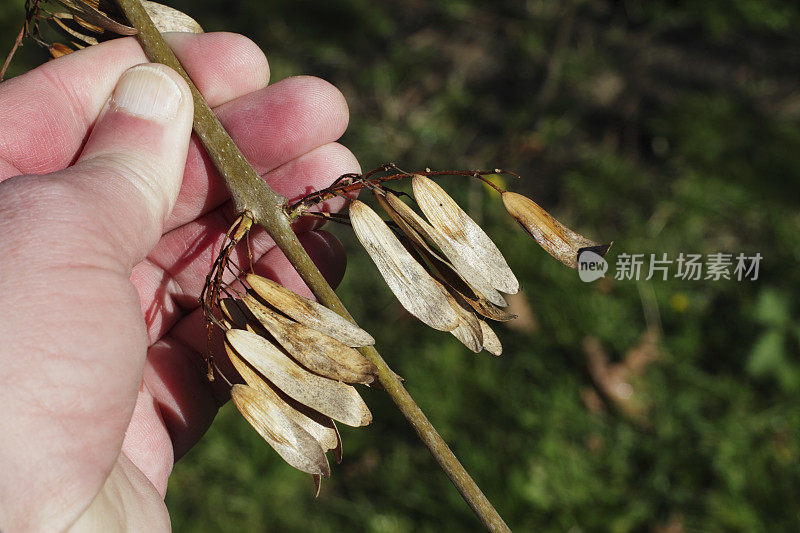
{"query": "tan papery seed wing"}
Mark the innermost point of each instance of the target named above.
(168, 19)
(557, 239)
(57, 50)
(325, 433)
(485, 308)
(490, 340)
(332, 398)
(314, 350)
(416, 290)
(462, 265)
(473, 248)
(96, 17)
(444, 272)
(309, 313)
(232, 314)
(469, 329)
(294, 444)
(406, 224)
(59, 18)
(87, 25)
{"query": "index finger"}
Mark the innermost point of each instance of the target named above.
(47, 113)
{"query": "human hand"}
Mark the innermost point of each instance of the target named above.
(107, 231)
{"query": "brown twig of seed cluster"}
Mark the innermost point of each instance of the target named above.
(348, 183)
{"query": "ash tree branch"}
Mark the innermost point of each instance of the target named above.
(268, 209)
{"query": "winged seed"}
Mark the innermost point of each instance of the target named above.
(557, 239)
(309, 313)
(469, 329)
(324, 432)
(486, 308)
(87, 25)
(445, 274)
(409, 281)
(294, 444)
(57, 20)
(316, 351)
(57, 50)
(469, 243)
(464, 264)
(333, 398)
(232, 314)
(490, 340)
(168, 19)
(94, 16)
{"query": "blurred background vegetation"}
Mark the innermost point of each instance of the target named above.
(619, 406)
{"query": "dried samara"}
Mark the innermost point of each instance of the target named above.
(298, 362)
(443, 268)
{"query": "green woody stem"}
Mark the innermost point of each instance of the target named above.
(251, 194)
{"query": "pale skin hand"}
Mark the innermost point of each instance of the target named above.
(103, 253)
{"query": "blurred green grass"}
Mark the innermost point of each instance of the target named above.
(666, 126)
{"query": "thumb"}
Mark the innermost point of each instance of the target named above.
(132, 165)
(67, 242)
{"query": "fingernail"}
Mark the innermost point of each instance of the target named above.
(148, 92)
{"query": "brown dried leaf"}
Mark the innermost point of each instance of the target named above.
(294, 444)
(490, 340)
(309, 313)
(469, 246)
(316, 351)
(416, 290)
(557, 239)
(416, 227)
(322, 429)
(332, 398)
